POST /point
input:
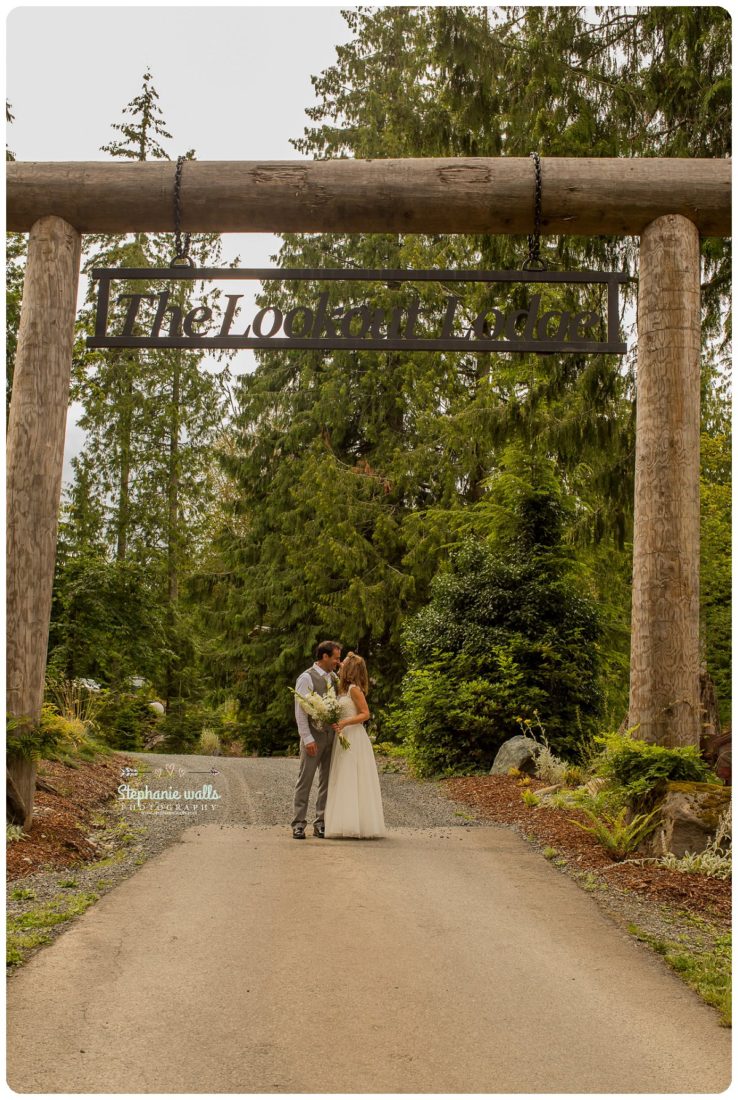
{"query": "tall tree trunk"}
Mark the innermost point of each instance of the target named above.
(35, 456)
(664, 666)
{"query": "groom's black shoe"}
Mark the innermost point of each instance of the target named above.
(319, 830)
(298, 832)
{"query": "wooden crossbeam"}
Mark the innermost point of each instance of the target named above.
(587, 197)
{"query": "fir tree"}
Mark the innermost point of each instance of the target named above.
(150, 418)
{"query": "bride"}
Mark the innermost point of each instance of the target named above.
(354, 806)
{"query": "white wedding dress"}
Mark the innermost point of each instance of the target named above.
(354, 805)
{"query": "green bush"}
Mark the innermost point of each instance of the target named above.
(509, 630)
(33, 741)
(125, 720)
(182, 725)
(55, 737)
(641, 767)
(450, 716)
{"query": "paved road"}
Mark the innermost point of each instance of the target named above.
(446, 958)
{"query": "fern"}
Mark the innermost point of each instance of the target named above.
(616, 834)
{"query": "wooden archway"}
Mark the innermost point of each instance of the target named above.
(668, 203)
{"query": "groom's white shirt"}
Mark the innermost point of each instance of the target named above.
(304, 685)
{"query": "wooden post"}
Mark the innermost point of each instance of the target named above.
(664, 663)
(35, 455)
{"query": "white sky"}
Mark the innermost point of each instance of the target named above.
(233, 84)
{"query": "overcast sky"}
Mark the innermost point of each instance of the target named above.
(233, 84)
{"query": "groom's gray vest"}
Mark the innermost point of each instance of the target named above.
(320, 685)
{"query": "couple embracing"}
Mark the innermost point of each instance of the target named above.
(349, 801)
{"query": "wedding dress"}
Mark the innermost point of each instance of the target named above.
(354, 805)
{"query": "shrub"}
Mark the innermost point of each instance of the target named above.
(711, 863)
(716, 861)
(609, 800)
(125, 720)
(641, 767)
(209, 744)
(450, 719)
(74, 700)
(182, 725)
(548, 766)
(228, 721)
(31, 740)
(530, 799)
(509, 625)
(55, 737)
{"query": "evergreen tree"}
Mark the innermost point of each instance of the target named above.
(510, 631)
(353, 473)
(150, 418)
(354, 468)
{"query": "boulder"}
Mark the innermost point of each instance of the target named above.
(689, 817)
(519, 752)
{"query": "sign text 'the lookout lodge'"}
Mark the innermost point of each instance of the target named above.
(151, 318)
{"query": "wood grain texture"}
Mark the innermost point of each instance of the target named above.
(475, 195)
(664, 666)
(35, 454)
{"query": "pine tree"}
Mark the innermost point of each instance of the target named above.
(150, 418)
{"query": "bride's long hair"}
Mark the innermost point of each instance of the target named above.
(353, 671)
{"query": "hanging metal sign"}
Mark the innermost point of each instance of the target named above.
(152, 318)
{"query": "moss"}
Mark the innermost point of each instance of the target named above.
(19, 944)
(721, 793)
(27, 930)
(713, 799)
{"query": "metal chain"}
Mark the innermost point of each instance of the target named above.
(181, 252)
(534, 261)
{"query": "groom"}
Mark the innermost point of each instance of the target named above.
(316, 741)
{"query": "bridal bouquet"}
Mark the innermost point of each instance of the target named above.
(322, 708)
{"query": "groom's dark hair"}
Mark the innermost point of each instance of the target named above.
(325, 649)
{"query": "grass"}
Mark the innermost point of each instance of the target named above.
(29, 929)
(21, 893)
(705, 968)
(464, 815)
(590, 882)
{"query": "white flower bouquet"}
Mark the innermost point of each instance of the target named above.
(324, 709)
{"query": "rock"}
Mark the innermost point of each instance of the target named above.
(689, 817)
(519, 752)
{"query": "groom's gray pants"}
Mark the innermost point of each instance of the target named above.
(320, 762)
